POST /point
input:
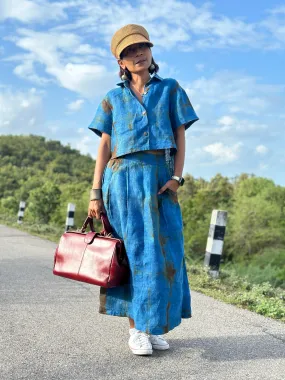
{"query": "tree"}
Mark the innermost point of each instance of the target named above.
(256, 219)
(44, 201)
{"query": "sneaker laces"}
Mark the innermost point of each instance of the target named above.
(142, 337)
(156, 337)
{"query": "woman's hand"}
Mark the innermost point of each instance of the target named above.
(172, 184)
(95, 207)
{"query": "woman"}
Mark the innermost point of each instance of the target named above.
(138, 170)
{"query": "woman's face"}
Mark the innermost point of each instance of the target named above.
(136, 58)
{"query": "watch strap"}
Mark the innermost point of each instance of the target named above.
(180, 180)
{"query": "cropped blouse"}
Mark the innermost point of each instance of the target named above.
(134, 126)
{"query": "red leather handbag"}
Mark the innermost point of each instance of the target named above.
(92, 257)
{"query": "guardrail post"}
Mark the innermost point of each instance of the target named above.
(70, 216)
(21, 211)
(215, 241)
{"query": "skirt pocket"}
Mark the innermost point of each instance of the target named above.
(171, 211)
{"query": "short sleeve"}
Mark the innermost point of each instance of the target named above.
(181, 109)
(103, 118)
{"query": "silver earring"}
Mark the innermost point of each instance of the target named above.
(124, 77)
(152, 67)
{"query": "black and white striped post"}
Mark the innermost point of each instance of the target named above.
(215, 241)
(21, 211)
(70, 216)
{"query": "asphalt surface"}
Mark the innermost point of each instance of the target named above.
(50, 328)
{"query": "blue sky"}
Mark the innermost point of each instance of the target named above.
(56, 65)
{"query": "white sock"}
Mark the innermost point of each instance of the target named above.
(133, 330)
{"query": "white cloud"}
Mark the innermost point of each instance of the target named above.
(261, 149)
(54, 52)
(20, 111)
(87, 80)
(235, 93)
(263, 166)
(76, 105)
(223, 154)
(98, 19)
(168, 70)
(216, 96)
(226, 120)
(27, 11)
(200, 66)
(32, 121)
(80, 64)
(247, 126)
(227, 124)
(53, 127)
(274, 24)
(238, 126)
(278, 10)
(207, 28)
(86, 49)
(26, 70)
(84, 145)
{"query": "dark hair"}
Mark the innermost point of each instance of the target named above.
(129, 75)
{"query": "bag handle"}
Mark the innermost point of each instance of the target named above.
(87, 221)
(107, 229)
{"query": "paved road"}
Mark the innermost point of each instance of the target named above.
(50, 329)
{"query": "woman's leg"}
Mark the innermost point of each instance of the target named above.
(132, 323)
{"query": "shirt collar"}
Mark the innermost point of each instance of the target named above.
(155, 76)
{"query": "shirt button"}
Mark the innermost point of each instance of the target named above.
(145, 133)
(144, 113)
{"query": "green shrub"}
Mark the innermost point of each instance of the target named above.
(261, 298)
(266, 266)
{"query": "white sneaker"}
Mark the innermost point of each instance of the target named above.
(139, 343)
(158, 342)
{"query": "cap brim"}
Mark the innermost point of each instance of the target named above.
(130, 40)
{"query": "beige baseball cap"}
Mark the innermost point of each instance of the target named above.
(128, 35)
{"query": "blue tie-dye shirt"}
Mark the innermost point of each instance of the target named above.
(134, 126)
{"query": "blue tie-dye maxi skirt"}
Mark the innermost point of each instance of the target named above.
(158, 294)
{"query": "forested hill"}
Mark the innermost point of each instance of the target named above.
(24, 156)
(45, 174)
(48, 175)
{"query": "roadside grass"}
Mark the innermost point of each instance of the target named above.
(44, 231)
(229, 287)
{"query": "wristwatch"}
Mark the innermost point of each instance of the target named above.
(180, 180)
